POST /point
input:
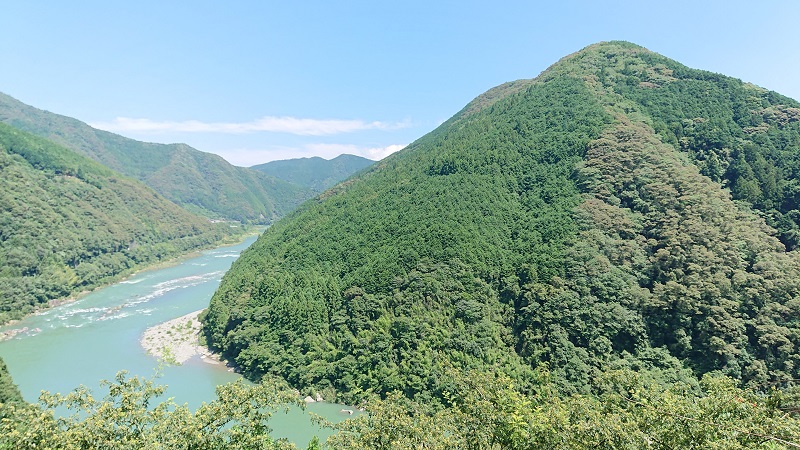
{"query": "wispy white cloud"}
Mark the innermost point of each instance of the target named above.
(291, 125)
(378, 153)
(251, 157)
(374, 153)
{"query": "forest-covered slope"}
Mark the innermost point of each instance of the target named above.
(202, 182)
(8, 390)
(68, 224)
(619, 211)
(315, 173)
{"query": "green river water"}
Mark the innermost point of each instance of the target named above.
(89, 340)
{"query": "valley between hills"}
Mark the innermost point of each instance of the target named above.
(604, 256)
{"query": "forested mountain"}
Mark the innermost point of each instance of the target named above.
(202, 182)
(315, 173)
(68, 224)
(620, 211)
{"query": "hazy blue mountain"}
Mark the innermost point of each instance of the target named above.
(315, 173)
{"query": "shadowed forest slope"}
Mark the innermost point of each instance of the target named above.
(8, 390)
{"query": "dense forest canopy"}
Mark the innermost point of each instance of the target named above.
(484, 411)
(8, 390)
(619, 211)
(69, 224)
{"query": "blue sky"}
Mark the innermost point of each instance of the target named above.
(255, 81)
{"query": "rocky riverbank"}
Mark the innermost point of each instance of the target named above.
(177, 341)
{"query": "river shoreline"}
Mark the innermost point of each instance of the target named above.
(156, 265)
(177, 341)
(98, 338)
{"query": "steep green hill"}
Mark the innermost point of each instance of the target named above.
(619, 211)
(202, 182)
(315, 173)
(68, 224)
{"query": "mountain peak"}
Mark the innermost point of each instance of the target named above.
(315, 173)
(586, 61)
(619, 210)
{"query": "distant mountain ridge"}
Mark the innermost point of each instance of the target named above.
(315, 173)
(202, 182)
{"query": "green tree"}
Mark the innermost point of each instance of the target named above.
(131, 416)
(8, 390)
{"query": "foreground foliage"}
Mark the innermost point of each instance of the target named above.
(130, 416)
(484, 410)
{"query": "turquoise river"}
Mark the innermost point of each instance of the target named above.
(89, 340)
